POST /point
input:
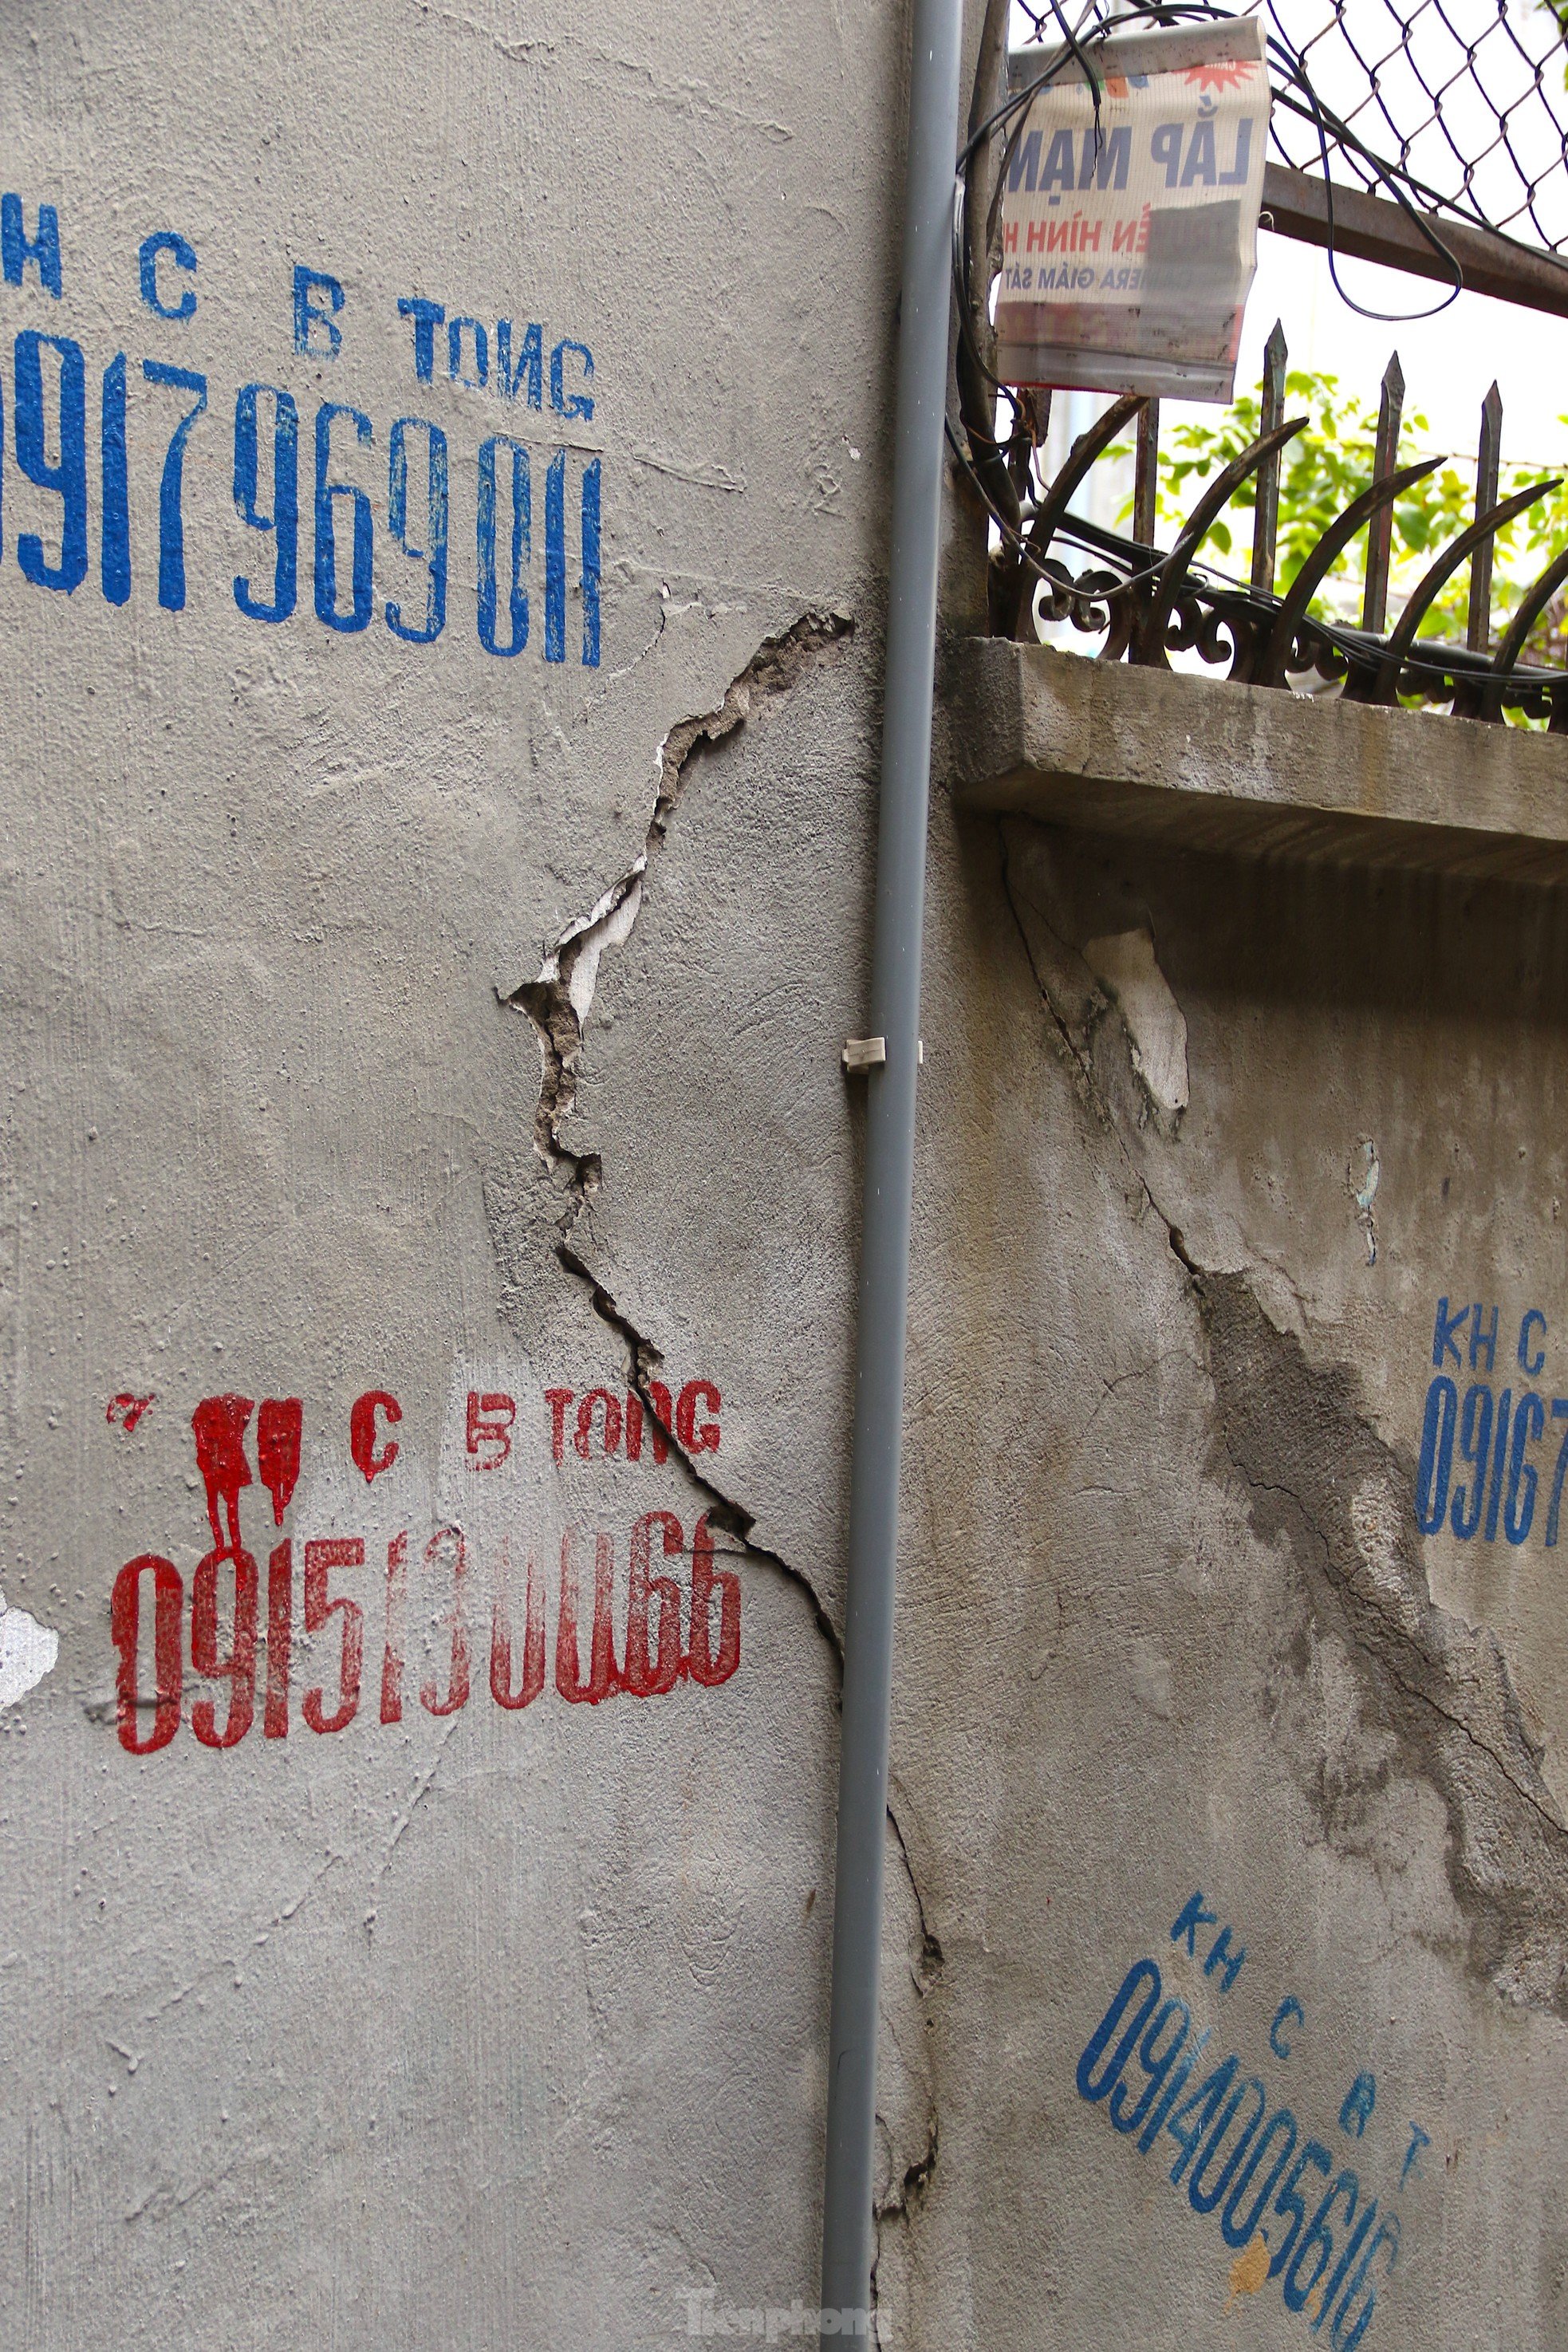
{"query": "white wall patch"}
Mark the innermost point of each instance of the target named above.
(1156, 1026)
(27, 1653)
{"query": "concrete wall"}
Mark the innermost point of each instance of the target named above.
(457, 2024)
(411, 1026)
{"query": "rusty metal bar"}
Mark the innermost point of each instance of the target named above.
(1265, 511)
(1146, 483)
(1379, 538)
(1374, 502)
(1369, 229)
(1384, 687)
(1488, 457)
(1042, 527)
(1533, 603)
(1149, 644)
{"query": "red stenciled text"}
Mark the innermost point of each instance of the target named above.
(602, 1423)
(634, 1618)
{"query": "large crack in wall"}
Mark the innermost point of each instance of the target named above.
(1436, 1698)
(1319, 1477)
(557, 1001)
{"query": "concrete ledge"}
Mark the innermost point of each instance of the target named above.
(1249, 772)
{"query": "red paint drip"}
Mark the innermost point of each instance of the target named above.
(278, 1426)
(219, 1425)
(501, 1690)
(604, 1675)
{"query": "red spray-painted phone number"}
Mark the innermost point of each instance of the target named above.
(654, 1656)
(652, 1661)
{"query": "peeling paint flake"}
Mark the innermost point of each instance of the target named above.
(1156, 1026)
(1248, 2270)
(27, 1653)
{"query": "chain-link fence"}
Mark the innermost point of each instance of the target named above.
(1462, 105)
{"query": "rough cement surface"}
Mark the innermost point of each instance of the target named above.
(1168, 1603)
(1249, 770)
(404, 1024)
(474, 2020)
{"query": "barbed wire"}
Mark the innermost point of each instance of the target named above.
(1462, 104)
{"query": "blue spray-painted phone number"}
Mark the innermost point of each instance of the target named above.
(1221, 2177)
(267, 498)
(1498, 1485)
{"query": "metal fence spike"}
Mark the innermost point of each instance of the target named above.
(1384, 686)
(1376, 503)
(1380, 539)
(1146, 486)
(1477, 634)
(1266, 509)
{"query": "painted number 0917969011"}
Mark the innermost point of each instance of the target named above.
(51, 379)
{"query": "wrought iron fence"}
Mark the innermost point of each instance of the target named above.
(1147, 603)
(1051, 566)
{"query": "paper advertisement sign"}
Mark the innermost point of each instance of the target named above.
(1130, 242)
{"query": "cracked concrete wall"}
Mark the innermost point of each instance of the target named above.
(445, 1044)
(1171, 1623)
(416, 1826)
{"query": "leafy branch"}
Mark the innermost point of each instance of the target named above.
(1331, 462)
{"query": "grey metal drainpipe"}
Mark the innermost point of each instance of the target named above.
(921, 395)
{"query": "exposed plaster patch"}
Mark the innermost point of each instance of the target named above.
(1156, 1026)
(583, 943)
(27, 1653)
(1363, 1177)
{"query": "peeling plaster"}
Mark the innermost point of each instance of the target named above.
(1317, 1476)
(1363, 1177)
(27, 1653)
(573, 961)
(1155, 1025)
(558, 1001)
(1429, 1697)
